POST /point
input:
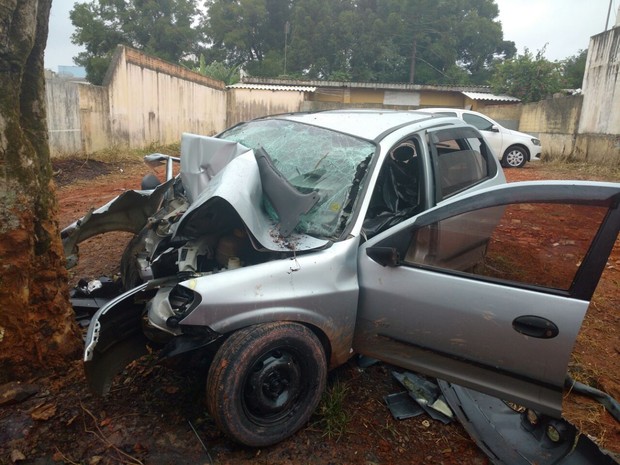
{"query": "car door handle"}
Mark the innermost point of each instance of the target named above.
(535, 326)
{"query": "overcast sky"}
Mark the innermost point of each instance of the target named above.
(564, 25)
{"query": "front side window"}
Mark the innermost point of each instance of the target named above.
(398, 192)
(478, 122)
(313, 159)
(532, 244)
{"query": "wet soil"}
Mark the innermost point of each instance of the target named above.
(156, 415)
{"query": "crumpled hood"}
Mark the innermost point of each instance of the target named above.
(218, 174)
(202, 158)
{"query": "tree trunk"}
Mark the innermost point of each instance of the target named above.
(36, 325)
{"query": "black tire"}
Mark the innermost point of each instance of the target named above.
(130, 274)
(265, 382)
(149, 182)
(514, 157)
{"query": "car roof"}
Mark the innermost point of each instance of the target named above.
(365, 123)
(462, 110)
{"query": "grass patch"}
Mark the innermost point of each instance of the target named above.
(117, 154)
(332, 413)
(577, 169)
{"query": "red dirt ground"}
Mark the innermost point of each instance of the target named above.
(152, 411)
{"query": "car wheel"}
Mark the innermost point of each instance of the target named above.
(130, 274)
(514, 157)
(265, 381)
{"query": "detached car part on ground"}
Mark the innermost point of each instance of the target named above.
(291, 242)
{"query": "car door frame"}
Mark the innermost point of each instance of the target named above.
(387, 248)
(493, 134)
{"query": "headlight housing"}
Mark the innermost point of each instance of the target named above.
(535, 141)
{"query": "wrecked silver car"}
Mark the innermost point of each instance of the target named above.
(291, 242)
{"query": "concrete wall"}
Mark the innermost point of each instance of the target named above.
(558, 123)
(583, 127)
(63, 116)
(143, 101)
(554, 121)
(152, 101)
(558, 115)
(601, 85)
(508, 115)
(246, 104)
(94, 118)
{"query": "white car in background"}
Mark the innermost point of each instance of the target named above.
(513, 148)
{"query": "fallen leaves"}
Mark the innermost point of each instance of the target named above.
(17, 456)
(43, 412)
(15, 392)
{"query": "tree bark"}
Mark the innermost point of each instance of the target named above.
(36, 325)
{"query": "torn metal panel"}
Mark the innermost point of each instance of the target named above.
(202, 158)
(239, 186)
(115, 338)
(519, 436)
(128, 212)
(288, 202)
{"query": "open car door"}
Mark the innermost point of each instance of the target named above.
(490, 290)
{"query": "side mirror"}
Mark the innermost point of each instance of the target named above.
(494, 128)
(155, 159)
(384, 256)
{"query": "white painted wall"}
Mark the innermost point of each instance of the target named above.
(152, 101)
(600, 113)
(247, 104)
(63, 116)
(144, 101)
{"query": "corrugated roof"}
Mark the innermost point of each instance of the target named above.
(492, 97)
(365, 85)
(243, 85)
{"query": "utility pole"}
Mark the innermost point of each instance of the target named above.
(608, 13)
(287, 27)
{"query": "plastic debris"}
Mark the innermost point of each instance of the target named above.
(427, 394)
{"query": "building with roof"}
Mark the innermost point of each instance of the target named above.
(322, 95)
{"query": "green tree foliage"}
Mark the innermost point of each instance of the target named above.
(418, 41)
(163, 28)
(244, 31)
(447, 39)
(422, 41)
(573, 69)
(218, 70)
(321, 38)
(528, 77)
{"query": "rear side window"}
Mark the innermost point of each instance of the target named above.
(461, 160)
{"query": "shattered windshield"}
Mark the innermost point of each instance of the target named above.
(312, 159)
